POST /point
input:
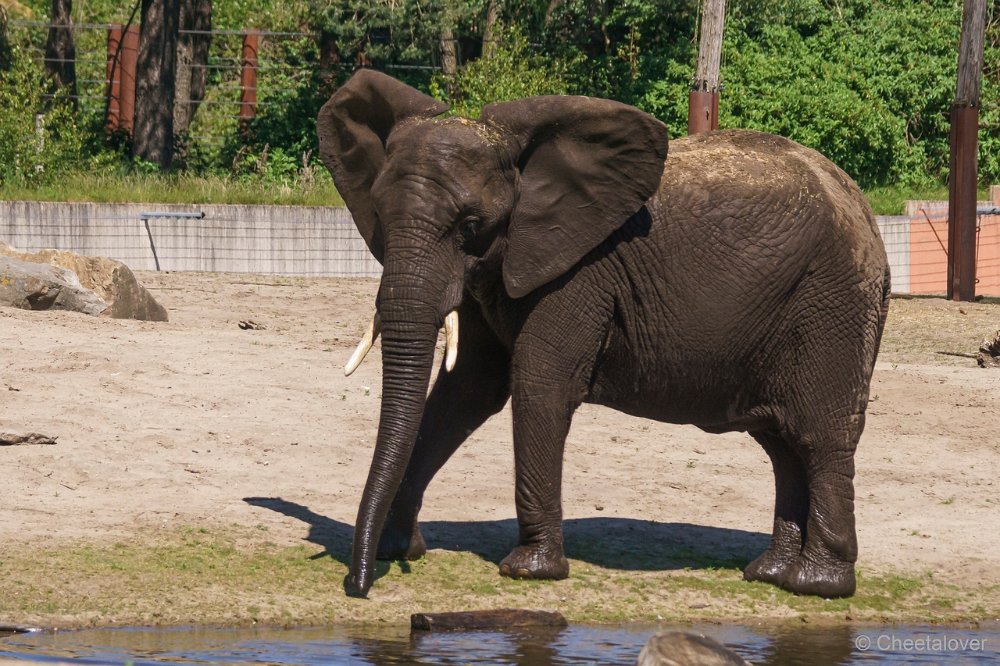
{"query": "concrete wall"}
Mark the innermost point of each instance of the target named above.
(282, 240)
(315, 240)
(895, 230)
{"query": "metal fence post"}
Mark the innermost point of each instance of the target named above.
(130, 53)
(248, 79)
(112, 80)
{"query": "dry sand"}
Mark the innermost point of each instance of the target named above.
(184, 423)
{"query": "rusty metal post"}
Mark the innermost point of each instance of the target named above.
(963, 179)
(703, 102)
(248, 80)
(112, 80)
(126, 76)
(962, 203)
(703, 111)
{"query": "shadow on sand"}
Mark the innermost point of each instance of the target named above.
(614, 543)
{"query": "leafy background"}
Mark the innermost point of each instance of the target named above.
(869, 83)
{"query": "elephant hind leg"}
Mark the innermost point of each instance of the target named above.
(814, 509)
(791, 511)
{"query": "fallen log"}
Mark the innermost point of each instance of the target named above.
(503, 618)
(14, 438)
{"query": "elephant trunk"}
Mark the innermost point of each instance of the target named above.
(409, 325)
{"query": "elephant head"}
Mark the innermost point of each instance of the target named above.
(527, 190)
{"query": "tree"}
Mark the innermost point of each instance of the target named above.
(192, 58)
(155, 82)
(60, 53)
(6, 56)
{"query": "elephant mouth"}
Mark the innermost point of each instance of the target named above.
(375, 328)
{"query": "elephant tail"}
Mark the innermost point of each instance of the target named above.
(884, 308)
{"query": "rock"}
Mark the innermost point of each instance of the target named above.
(989, 352)
(677, 648)
(32, 286)
(111, 280)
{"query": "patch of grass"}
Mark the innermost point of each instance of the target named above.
(891, 200)
(177, 188)
(228, 576)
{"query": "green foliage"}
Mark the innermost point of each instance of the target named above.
(39, 138)
(512, 72)
(869, 83)
(866, 84)
(391, 33)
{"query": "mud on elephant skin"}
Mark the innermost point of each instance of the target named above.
(739, 284)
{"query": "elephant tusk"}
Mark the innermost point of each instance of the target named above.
(451, 340)
(364, 346)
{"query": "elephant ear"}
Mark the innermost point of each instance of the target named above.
(353, 128)
(586, 165)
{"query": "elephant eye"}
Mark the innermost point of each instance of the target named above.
(469, 227)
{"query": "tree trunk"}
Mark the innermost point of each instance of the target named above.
(192, 57)
(60, 54)
(449, 60)
(155, 85)
(5, 53)
(329, 62)
(489, 29)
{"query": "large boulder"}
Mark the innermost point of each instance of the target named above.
(110, 282)
(32, 286)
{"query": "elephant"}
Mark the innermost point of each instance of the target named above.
(737, 284)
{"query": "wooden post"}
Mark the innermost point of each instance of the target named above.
(248, 80)
(703, 103)
(963, 178)
(112, 80)
(126, 78)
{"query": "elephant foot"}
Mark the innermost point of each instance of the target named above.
(803, 575)
(828, 579)
(770, 567)
(399, 543)
(535, 562)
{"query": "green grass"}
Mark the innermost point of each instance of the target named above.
(178, 188)
(230, 576)
(185, 188)
(891, 200)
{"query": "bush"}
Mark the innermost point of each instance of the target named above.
(512, 72)
(39, 137)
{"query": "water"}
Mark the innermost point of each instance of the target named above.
(577, 644)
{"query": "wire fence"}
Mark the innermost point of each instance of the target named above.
(284, 65)
(917, 246)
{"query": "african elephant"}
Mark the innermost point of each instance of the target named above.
(738, 284)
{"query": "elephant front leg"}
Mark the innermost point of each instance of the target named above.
(462, 400)
(541, 423)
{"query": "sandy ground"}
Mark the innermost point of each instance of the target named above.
(197, 422)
